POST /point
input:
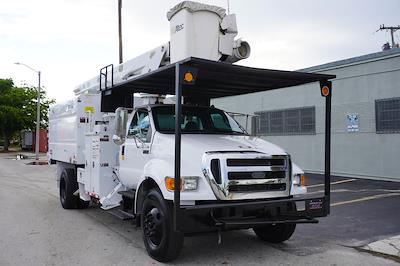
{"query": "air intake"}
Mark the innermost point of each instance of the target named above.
(216, 170)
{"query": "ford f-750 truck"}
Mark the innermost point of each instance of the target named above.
(182, 169)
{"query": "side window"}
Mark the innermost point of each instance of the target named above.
(140, 126)
(220, 122)
(192, 123)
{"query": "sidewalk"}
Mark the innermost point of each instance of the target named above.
(389, 247)
(22, 155)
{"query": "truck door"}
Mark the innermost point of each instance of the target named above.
(135, 152)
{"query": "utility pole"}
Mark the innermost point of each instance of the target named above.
(120, 30)
(392, 29)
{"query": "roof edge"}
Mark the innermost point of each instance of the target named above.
(354, 60)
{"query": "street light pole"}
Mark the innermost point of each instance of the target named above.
(37, 142)
(37, 120)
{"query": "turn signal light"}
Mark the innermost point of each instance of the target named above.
(170, 183)
(187, 183)
(299, 180)
(303, 180)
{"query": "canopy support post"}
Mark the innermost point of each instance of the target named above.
(326, 91)
(177, 174)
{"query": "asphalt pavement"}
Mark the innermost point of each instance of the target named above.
(35, 230)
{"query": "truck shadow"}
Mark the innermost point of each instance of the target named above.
(236, 246)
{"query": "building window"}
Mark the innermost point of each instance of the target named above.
(387, 112)
(296, 121)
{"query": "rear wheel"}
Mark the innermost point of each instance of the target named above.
(68, 186)
(276, 233)
(162, 242)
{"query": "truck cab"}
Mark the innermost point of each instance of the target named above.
(219, 160)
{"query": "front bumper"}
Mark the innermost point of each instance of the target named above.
(223, 215)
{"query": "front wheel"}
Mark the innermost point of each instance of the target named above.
(162, 242)
(276, 233)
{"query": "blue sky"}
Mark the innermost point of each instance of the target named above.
(70, 40)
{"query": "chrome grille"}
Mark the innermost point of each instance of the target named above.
(247, 176)
(256, 175)
(257, 187)
(255, 162)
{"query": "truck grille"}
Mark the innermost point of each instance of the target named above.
(255, 162)
(235, 176)
(257, 188)
(256, 175)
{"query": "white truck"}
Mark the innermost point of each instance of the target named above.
(202, 172)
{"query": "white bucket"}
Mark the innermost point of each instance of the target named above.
(195, 34)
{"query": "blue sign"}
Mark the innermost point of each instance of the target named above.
(353, 122)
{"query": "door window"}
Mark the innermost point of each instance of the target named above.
(140, 126)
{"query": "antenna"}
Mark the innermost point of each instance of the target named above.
(392, 31)
(228, 7)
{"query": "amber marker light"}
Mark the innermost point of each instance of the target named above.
(188, 77)
(325, 91)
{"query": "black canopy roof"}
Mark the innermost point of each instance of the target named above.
(213, 80)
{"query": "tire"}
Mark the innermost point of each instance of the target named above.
(68, 186)
(161, 241)
(275, 233)
(82, 204)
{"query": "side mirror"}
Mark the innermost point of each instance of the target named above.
(121, 120)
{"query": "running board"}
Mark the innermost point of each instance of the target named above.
(120, 214)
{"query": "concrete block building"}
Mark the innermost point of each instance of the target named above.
(365, 117)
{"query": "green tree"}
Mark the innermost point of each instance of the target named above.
(18, 109)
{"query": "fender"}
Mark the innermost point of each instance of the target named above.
(157, 169)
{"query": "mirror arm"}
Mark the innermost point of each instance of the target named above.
(140, 141)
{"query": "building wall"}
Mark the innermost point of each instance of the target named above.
(361, 154)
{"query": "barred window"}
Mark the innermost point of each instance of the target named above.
(295, 121)
(387, 114)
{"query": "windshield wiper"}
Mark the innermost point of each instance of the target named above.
(228, 132)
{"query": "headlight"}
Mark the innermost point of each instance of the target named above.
(188, 183)
(299, 180)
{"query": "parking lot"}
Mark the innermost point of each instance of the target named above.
(35, 230)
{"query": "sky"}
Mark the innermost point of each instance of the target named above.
(70, 40)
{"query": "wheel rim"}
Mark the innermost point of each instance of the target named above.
(154, 226)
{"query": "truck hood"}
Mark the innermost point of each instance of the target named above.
(194, 145)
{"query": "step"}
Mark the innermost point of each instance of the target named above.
(121, 214)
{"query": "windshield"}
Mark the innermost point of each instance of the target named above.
(202, 120)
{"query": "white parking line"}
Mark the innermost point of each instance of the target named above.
(333, 183)
(380, 196)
